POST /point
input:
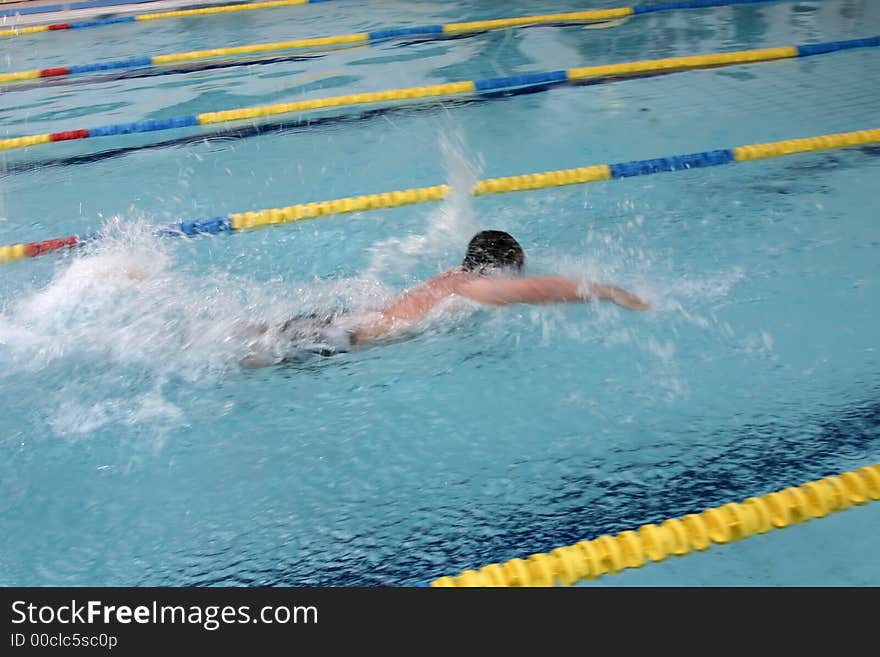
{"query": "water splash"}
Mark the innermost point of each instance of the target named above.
(448, 227)
(128, 331)
(123, 302)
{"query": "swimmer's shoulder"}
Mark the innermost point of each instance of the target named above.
(449, 280)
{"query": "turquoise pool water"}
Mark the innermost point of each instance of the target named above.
(136, 451)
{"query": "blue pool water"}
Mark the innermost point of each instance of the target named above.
(135, 451)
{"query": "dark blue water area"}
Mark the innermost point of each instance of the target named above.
(758, 459)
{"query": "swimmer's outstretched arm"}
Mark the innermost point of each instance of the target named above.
(547, 289)
(617, 295)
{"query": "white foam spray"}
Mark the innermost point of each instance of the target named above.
(449, 225)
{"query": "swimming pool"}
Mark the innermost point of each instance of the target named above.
(137, 452)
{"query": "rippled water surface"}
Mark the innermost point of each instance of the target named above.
(134, 450)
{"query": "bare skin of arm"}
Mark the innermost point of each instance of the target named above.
(546, 289)
(490, 290)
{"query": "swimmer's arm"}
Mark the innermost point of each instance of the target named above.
(617, 295)
(546, 289)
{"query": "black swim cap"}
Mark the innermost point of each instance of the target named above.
(493, 249)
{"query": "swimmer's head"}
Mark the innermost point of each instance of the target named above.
(491, 250)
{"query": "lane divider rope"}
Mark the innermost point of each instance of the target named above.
(491, 86)
(588, 560)
(359, 38)
(463, 27)
(581, 175)
(179, 13)
(72, 6)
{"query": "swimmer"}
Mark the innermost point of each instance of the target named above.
(492, 273)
